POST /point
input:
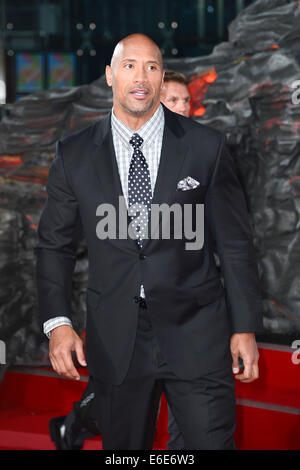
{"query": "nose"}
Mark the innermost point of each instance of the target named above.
(182, 109)
(185, 109)
(140, 74)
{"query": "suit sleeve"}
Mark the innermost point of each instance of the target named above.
(229, 224)
(59, 232)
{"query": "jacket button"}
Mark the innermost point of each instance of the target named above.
(142, 256)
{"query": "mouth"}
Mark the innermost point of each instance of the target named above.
(140, 93)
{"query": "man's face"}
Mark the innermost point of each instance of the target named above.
(136, 77)
(176, 97)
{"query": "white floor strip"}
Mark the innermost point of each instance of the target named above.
(268, 406)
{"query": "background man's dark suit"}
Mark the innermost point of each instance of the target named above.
(181, 286)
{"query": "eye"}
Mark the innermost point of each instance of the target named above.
(152, 67)
(128, 66)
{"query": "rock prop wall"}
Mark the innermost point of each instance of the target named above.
(244, 89)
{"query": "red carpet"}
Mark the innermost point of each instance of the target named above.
(29, 398)
(268, 410)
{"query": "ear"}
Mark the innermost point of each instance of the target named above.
(163, 93)
(108, 74)
(162, 82)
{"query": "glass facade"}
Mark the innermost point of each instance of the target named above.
(91, 28)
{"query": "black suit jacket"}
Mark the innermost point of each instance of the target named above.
(193, 315)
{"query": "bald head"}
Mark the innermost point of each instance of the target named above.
(136, 77)
(132, 41)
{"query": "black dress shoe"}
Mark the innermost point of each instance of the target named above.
(57, 434)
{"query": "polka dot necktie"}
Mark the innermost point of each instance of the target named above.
(139, 188)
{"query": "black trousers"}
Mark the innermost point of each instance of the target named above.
(204, 409)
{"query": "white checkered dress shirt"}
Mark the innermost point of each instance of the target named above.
(152, 134)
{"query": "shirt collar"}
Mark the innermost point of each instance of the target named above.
(148, 131)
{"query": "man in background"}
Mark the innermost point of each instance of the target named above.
(69, 432)
(175, 93)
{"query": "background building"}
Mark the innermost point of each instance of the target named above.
(53, 43)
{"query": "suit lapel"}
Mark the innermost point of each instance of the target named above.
(171, 160)
(105, 164)
(173, 153)
(172, 156)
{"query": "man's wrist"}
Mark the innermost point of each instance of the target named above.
(243, 333)
(54, 323)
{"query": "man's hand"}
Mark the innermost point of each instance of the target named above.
(244, 345)
(64, 340)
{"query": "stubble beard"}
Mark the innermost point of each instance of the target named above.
(138, 112)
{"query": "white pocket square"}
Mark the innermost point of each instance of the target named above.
(187, 183)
